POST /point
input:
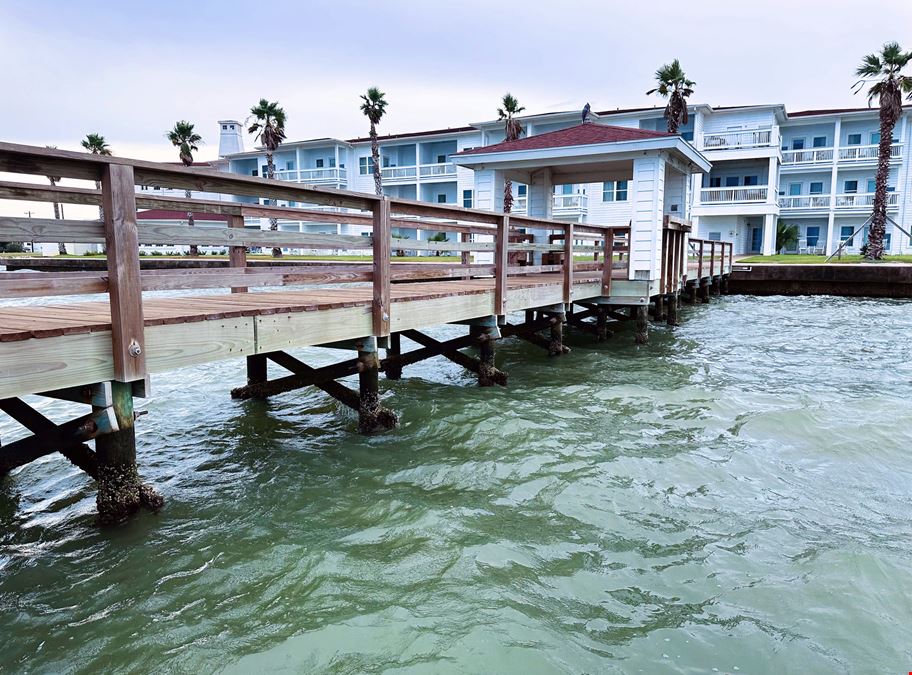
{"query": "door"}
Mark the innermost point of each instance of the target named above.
(756, 239)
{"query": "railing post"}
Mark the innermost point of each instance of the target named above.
(700, 263)
(663, 264)
(124, 285)
(712, 259)
(237, 255)
(382, 233)
(608, 263)
(501, 262)
(568, 263)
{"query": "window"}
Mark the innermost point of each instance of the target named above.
(872, 185)
(441, 199)
(441, 159)
(224, 127)
(254, 172)
(751, 180)
(714, 236)
(264, 170)
(816, 188)
(845, 235)
(820, 141)
(797, 144)
(467, 199)
(813, 235)
(794, 189)
(731, 181)
(715, 181)
(385, 161)
(365, 165)
(886, 240)
(566, 189)
(854, 139)
(319, 163)
(614, 191)
(289, 165)
(521, 190)
(332, 162)
(875, 137)
(687, 135)
(850, 187)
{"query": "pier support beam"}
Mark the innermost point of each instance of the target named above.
(704, 290)
(640, 315)
(673, 305)
(716, 286)
(256, 369)
(724, 285)
(450, 350)
(487, 373)
(556, 342)
(120, 491)
(371, 415)
(689, 294)
(601, 324)
(659, 313)
(393, 369)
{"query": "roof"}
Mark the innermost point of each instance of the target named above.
(582, 134)
(165, 214)
(835, 111)
(413, 134)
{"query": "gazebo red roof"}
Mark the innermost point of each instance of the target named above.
(582, 134)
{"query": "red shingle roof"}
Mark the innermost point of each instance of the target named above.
(582, 134)
(164, 214)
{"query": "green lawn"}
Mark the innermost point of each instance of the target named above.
(795, 259)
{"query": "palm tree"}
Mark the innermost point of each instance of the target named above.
(674, 86)
(183, 137)
(881, 74)
(374, 107)
(58, 208)
(97, 145)
(512, 130)
(269, 128)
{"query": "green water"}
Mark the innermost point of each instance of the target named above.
(736, 497)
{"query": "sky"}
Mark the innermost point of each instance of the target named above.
(130, 69)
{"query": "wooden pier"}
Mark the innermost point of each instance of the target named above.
(102, 353)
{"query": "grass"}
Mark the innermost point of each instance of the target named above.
(795, 259)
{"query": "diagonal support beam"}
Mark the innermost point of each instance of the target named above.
(453, 354)
(301, 378)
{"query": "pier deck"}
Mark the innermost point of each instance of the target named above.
(101, 353)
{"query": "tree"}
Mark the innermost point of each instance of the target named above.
(881, 74)
(439, 237)
(269, 128)
(183, 137)
(58, 208)
(786, 235)
(512, 130)
(674, 86)
(96, 144)
(374, 107)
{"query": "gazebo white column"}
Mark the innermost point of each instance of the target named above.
(646, 224)
(540, 204)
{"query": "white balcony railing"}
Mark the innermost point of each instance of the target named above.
(737, 140)
(436, 170)
(867, 153)
(735, 195)
(570, 205)
(812, 156)
(805, 202)
(333, 175)
(864, 200)
(398, 172)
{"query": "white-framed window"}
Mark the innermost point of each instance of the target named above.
(850, 187)
(875, 137)
(332, 162)
(441, 199)
(731, 181)
(751, 180)
(794, 189)
(264, 170)
(715, 181)
(441, 159)
(714, 236)
(319, 163)
(853, 139)
(845, 234)
(816, 188)
(254, 172)
(224, 127)
(521, 190)
(820, 141)
(289, 165)
(614, 191)
(468, 199)
(797, 144)
(872, 185)
(365, 165)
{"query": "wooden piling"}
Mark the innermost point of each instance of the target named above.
(556, 343)
(371, 415)
(120, 491)
(487, 372)
(724, 285)
(641, 328)
(704, 290)
(673, 305)
(601, 324)
(716, 287)
(394, 350)
(659, 312)
(256, 369)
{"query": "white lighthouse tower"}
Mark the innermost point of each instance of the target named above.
(231, 137)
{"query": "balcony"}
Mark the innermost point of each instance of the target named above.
(431, 171)
(807, 157)
(864, 201)
(398, 174)
(735, 195)
(562, 206)
(868, 153)
(740, 140)
(805, 202)
(313, 176)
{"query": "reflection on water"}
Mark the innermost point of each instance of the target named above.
(736, 496)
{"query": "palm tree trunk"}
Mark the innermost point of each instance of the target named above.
(273, 222)
(375, 157)
(61, 246)
(875, 249)
(508, 196)
(194, 249)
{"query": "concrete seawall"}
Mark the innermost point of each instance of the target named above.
(881, 280)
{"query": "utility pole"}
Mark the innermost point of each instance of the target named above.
(32, 244)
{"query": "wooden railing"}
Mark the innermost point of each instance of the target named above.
(478, 232)
(710, 257)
